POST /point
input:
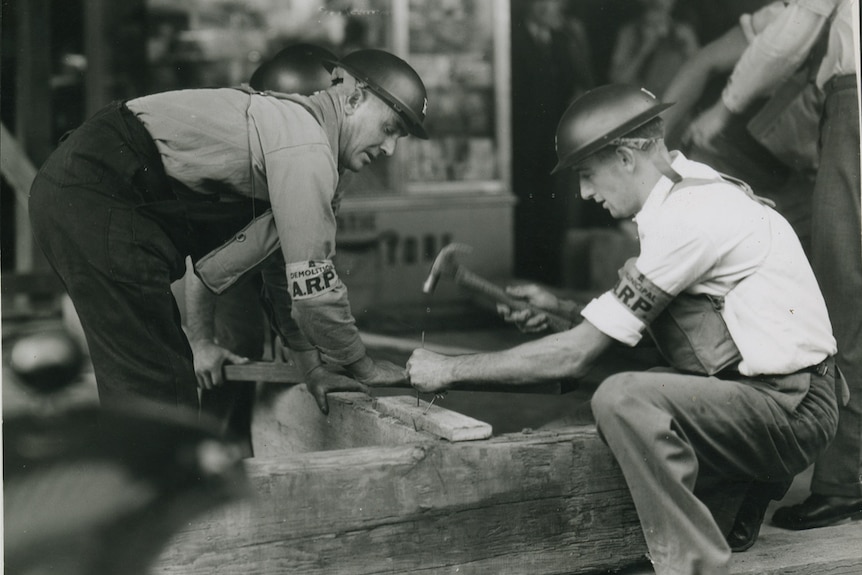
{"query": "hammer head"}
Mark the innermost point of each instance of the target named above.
(445, 263)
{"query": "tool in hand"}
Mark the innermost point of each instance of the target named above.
(446, 265)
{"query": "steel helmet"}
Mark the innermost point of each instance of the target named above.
(297, 69)
(599, 116)
(393, 81)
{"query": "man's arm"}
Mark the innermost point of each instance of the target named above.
(209, 357)
(688, 84)
(562, 355)
(771, 57)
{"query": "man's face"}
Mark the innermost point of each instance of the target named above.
(605, 180)
(371, 129)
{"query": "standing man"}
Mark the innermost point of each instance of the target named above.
(550, 67)
(228, 177)
(723, 285)
(836, 217)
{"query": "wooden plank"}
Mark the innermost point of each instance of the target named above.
(434, 419)
(541, 503)
(277, 372)
(834, 550)
(263, 371)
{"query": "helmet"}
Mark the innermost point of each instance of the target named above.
(599, 116)
(392, 80)
(297, 69)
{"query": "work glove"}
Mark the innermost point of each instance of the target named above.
(321, 381)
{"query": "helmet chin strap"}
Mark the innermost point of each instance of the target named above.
(657, 158)
(661, 164)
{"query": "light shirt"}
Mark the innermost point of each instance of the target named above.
(227, 142)
(777, 51)
(714, 239)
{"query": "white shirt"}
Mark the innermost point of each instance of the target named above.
(777, 50)
(714, 239)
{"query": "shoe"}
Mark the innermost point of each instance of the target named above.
(749, 518)
(818, 511)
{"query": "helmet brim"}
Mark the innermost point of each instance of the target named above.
(591, 148)
(413, 124)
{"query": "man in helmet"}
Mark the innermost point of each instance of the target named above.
(724, 288)
(230, 328)
(228, 177)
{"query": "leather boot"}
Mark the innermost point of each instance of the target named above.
(818, 511)
(750, 516)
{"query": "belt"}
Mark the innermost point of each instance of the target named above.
(841, 82)
(821, 368)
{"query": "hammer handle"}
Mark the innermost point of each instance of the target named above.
(479, 285)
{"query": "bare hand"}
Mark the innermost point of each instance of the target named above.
(321, 381)
(209, 359)
(529, 320)
(707, 126)
(429, 372)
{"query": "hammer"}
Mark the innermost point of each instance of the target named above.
(446, 264)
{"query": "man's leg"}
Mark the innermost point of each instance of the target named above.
(669, 431)
(117, 267)
(836, 486)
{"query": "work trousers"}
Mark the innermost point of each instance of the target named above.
(116, 263)
(837, 263)
(672, 433)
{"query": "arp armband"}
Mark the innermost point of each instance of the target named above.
(311, 278)
(636, 292)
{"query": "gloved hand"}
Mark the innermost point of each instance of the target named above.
(321, 381)
(378, 373)
(529, 320)
(209, 358)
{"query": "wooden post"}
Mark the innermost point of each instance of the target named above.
(33, 113)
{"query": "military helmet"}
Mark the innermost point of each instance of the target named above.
(598, 117)
(297, 69)
(393, 81)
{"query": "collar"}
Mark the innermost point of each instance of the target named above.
(329, 112)
(662, 188)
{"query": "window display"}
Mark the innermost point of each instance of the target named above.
(452, 44)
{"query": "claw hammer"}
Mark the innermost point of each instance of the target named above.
(446, 265)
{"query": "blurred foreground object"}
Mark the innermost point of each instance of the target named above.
(46, 362)
(96, 493)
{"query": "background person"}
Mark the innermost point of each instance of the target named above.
(836, 252)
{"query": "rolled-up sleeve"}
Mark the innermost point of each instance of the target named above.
(776, 52)
(302, 182)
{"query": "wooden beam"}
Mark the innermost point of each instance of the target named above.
(287, 421)
(538, 503)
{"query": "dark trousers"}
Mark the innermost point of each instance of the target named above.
(117, 263)
(837, 262)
